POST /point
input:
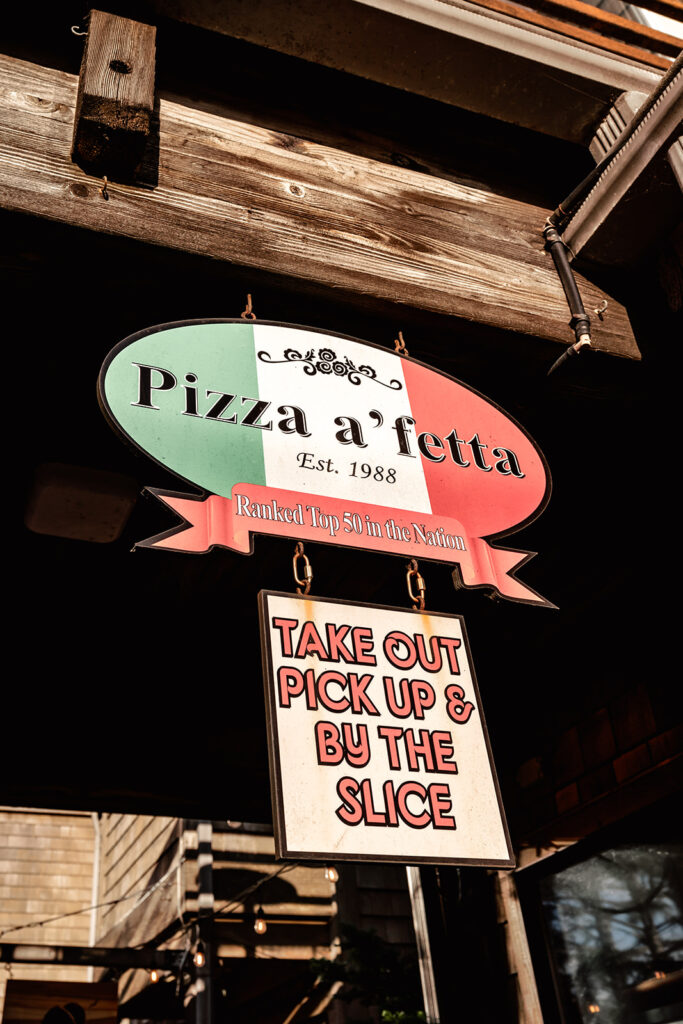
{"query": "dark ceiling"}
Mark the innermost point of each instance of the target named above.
(138, 676)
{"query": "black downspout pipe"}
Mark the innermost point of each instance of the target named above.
(580, 321)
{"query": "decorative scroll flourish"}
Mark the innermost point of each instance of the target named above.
(326, 361)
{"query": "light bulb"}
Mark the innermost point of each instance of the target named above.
(260, 926)
(154, 975)
(331, 873)
(199, 958)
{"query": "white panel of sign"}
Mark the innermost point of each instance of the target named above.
(377, 740)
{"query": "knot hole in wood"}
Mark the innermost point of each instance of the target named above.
(122, 67)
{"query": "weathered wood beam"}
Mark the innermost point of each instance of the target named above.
(254, 197)
(115, 96)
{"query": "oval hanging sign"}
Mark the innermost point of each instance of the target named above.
(317, 436)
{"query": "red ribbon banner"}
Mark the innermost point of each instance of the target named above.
(216, 521)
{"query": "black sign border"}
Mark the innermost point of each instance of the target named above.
(279, 824)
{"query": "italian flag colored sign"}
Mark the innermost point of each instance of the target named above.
(317, 436)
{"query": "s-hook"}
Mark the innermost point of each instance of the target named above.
(413, 573)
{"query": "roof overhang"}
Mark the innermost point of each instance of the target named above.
(448, 50)
(509, 35)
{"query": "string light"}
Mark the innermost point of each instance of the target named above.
(260, 925)
(199, 957)
(234, 903)
(154, 975)
(142, 893)
(593, 1008)
(331, 873)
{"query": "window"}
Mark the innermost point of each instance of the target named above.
(606, 932)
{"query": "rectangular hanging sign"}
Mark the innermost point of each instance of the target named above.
(377, 740)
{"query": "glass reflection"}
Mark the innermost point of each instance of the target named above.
(614, 921)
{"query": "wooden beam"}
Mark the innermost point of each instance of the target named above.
(273, 202)
(115, 96)
(612, 26)
(584, 35)
(667, 8)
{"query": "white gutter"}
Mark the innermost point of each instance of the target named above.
(628, 162)
(534, 43)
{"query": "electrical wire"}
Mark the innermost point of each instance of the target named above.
(143, 893)
(173, 870)
(233, 902)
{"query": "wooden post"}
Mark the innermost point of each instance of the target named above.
(520, 965)
(115, 96)
(424, 952)
(204, 1009)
